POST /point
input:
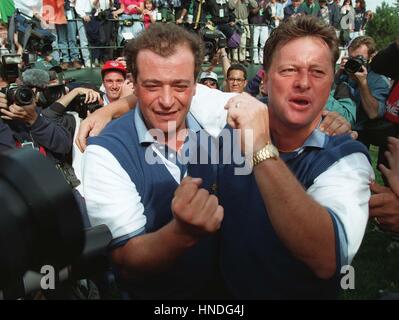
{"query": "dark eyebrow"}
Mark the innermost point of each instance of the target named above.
(156, 82)
(151, 81)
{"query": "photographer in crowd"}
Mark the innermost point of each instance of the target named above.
(48, 14)
(18, 107)
(6, 138)
(75, 102)
(370, 91)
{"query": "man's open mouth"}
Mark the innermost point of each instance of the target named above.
(303, 102)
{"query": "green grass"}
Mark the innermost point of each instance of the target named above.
(377, 262)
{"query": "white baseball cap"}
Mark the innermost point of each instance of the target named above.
(209, 75)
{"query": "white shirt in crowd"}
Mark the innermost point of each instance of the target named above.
(83, 7)
(29, 7)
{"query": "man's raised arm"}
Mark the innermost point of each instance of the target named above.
(93, 124)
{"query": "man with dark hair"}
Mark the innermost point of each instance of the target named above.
(370, 91)
(236, 78)
(133, 176)
(29, 128)
(290, 243)
(290, 221)
(113, 74)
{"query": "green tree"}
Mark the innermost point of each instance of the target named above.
(384, 28)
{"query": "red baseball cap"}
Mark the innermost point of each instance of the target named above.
(112, 65)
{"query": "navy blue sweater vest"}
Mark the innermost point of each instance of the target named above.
(197, 269)
(255, 263)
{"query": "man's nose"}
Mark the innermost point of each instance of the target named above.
(302, 80)
(166, 98)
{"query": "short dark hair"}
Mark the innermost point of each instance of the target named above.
(163, 39)
(300, 27)
(362, 3)
(237, 66)
(364, 40)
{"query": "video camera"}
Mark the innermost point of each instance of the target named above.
(42, 224)
(24, 94)
(355, 64)
(213, 41)
(51, 94)
(20, 95)
(31, 35)
(38, 224)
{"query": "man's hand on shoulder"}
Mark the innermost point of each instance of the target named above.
(334, 124)
(91, 126)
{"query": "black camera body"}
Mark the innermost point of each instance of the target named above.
(20, 95)
(213, 41)
(39, 41)
(78, 105)
(355, 64)
(10, 68)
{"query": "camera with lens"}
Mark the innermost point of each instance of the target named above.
(20, 95)
(78, 105)
(51, 94)
(213, 41)
(43, 224)
(355, 64)
(32, 36)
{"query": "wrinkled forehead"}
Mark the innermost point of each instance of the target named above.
(310, 47)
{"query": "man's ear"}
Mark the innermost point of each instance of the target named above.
(194, 88)
(265, 84)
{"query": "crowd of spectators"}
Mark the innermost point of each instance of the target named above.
(87, 33)
(90, 32)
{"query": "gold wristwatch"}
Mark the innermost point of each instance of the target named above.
(269, 151)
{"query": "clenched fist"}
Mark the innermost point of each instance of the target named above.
(251, 117)
(196, 212)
